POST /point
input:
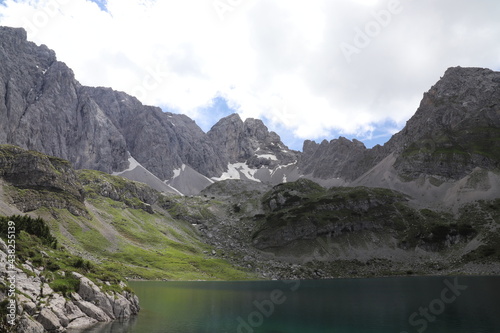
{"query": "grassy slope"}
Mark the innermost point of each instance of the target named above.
(135, 243)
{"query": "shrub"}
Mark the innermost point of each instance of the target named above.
(65, 285)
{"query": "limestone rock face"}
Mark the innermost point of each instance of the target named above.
(44, 108)
(455, 129)
(251, 142)
(46, 181)
(339, 158)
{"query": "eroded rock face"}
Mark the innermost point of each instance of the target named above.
(27, 324)
(43, 181)
(455, 129)
(339, 158)
(44, 108)
(250, 141)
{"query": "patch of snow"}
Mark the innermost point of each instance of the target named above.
(210, 180)
(282, 166)
(174, 189)
(267, 156)
(132, 164)
(236, 170)
(177, 172)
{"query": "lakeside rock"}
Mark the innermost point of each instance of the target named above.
(40, 309)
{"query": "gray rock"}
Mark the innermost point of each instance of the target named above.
(28, 304)
(57, 304)
(45, 109)
(3, 246)
(72, 311)
(339, 158)
(82, 322)
(92, 310)
(27, 324)
(90, 292)
(48, 319)
(251, 142)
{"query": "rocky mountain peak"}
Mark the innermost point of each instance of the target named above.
(455, 128)
(338, 158)
(250, 141)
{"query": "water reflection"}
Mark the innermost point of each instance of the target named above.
(330, 306)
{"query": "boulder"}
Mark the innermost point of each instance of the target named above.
(27, 324)
(72, 311)
(89, 309)
(49, 320)
(58, 305)
(82, 322)
(90, 292)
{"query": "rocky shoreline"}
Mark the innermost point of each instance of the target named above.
(40, 309)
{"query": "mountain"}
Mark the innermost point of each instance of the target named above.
(44, 108)
(453, 135)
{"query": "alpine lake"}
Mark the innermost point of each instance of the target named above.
(460, 304)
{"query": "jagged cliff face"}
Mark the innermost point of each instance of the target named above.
(160, 141)
(455, 129)
(42, 107)
(340, 158)
(250, 141)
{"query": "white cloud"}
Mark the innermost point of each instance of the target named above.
(269, 59)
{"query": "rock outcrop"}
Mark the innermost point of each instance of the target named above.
(250, 141)
(455, 129)
(40, 309)
(41, 181)
(339, 158)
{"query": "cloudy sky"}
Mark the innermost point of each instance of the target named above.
(312, 69)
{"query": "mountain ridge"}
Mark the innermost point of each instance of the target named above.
(452, 133)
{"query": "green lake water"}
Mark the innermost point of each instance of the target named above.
(382, 305)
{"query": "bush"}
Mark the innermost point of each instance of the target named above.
(65, 285)
(52, 266)
(84, 265)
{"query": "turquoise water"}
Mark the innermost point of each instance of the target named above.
(384, 305)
